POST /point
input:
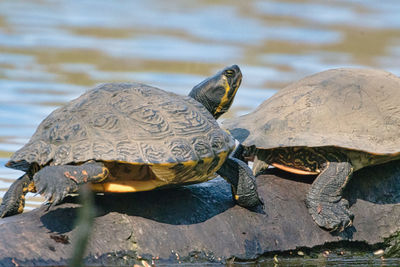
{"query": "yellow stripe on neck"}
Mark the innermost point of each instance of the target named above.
(224, 99)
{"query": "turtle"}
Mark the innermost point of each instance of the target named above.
(131, 137)
(330, 125)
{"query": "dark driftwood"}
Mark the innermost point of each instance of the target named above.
(201, 222)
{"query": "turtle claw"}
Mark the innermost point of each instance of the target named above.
(52, 200)
(335, 217)
(54, 188)
(56, 182)
(47, 205)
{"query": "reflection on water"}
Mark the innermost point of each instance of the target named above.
(51, 52)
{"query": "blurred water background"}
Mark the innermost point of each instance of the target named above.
(52, 51)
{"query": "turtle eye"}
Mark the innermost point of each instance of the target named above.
(229, 73)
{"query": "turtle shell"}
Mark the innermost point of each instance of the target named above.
(129, 123)
(356, 109)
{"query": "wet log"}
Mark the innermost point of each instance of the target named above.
(201, 223)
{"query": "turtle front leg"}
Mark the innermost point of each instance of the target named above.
(259, 166)
(243, 182)
(324, 200)
(239, 153)
(246, 154)
(55, 182)
(14, 200)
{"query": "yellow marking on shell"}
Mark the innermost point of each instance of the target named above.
(224, 99)
(293, 170)
(164, 175)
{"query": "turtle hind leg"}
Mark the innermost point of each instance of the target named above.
(243, 182)
(55, 182)
(14, 199)
(324, 199)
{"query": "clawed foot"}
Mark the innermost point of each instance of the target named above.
(331, 216)
(54, 187)
(56, 182)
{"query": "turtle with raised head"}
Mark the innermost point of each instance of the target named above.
(130, 137)
(329, 124)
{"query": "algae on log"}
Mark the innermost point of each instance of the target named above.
(202, 223)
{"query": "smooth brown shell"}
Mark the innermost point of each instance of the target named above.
(357, 109)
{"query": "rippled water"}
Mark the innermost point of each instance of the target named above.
(52, 51)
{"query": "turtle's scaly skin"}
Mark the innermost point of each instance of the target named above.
(331, 124)
(128, 126)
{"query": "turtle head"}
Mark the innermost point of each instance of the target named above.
(216, 93)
